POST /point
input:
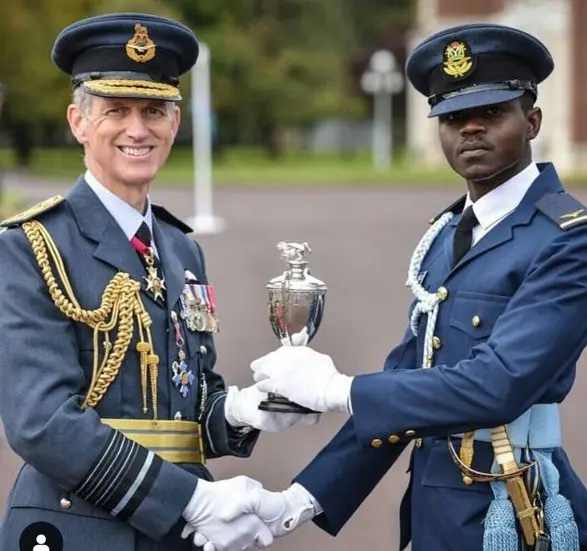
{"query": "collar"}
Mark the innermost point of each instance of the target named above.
(126, 216)
(502, 200)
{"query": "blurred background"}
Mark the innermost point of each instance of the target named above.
(314, 136)
(292, 99)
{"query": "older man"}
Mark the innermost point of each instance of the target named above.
(107, 388)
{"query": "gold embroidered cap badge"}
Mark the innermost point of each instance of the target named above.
(458, 62)
(140, 47)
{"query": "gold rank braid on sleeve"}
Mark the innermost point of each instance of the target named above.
(120, 306)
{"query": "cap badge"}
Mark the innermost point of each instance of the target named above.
(140, 47)
(458, 62)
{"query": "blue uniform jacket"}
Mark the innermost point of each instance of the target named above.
(120, 499)
(526, 282)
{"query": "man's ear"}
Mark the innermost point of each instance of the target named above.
(534, 122)
(77, 123)
(176, 119)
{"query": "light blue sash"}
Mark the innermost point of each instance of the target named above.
(538, 431)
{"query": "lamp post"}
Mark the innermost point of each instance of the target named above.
(204, 220)
(383, 80)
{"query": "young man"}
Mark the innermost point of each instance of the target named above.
(494, 335)
(107, 388)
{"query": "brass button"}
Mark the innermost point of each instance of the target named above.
(436, 343)
(410, 433)
(65, 503)
(476, 321)
(418, 443)
(203, 350)
(467, 480)
(393, 438)
(442, 293)
(376, 442)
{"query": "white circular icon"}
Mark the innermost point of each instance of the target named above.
(41, 539)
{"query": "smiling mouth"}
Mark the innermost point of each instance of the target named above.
(135, 151)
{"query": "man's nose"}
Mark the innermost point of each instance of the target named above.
(472, 124)
(136, 126)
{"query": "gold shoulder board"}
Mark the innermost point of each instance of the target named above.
(32, 212)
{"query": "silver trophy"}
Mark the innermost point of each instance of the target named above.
(296, 305)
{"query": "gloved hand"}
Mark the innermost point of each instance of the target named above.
(282, 512)
(305, 376)
(222, 515)
(241, 410)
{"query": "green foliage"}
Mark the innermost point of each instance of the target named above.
(276, 64)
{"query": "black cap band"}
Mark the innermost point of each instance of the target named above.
(115, 59)
(514, 84)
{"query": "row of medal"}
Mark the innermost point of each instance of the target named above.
(198, 310)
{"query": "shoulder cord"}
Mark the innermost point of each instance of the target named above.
(428, 304)
(120, 303)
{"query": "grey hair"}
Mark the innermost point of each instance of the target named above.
(83, 100)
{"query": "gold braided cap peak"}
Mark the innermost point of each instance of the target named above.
(132, 88)
(33, 211)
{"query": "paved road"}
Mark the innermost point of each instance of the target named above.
(362, 240)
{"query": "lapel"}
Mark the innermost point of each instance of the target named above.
(547, 182)
(96, 223)
(112, 245)
(173, 268)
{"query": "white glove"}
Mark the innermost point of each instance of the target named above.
(301, 338)
(282, 512)
(305, 377)
(222, 515)
(241, 409)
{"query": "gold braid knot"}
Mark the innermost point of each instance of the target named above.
(120, 304)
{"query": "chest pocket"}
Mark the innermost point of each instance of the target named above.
(476, 313)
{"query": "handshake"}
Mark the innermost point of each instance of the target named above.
(238, 514)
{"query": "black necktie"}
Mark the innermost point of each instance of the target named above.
(464, 234)
(144, 235)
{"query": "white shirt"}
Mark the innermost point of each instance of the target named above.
(495, 205)
(127, 217)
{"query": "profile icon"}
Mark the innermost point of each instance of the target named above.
(41, 536)
(41, 540)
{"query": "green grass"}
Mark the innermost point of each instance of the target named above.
(249, 167)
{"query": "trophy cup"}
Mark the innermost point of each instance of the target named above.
(296, 305)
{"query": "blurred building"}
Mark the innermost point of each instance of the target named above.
(563, 97)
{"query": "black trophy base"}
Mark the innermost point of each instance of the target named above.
(282, 405)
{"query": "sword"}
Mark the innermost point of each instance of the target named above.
(526, 513)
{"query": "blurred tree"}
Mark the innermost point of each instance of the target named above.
(275, 64)
(372, 20)
(287, 63)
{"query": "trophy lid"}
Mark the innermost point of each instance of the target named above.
(298, 277)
